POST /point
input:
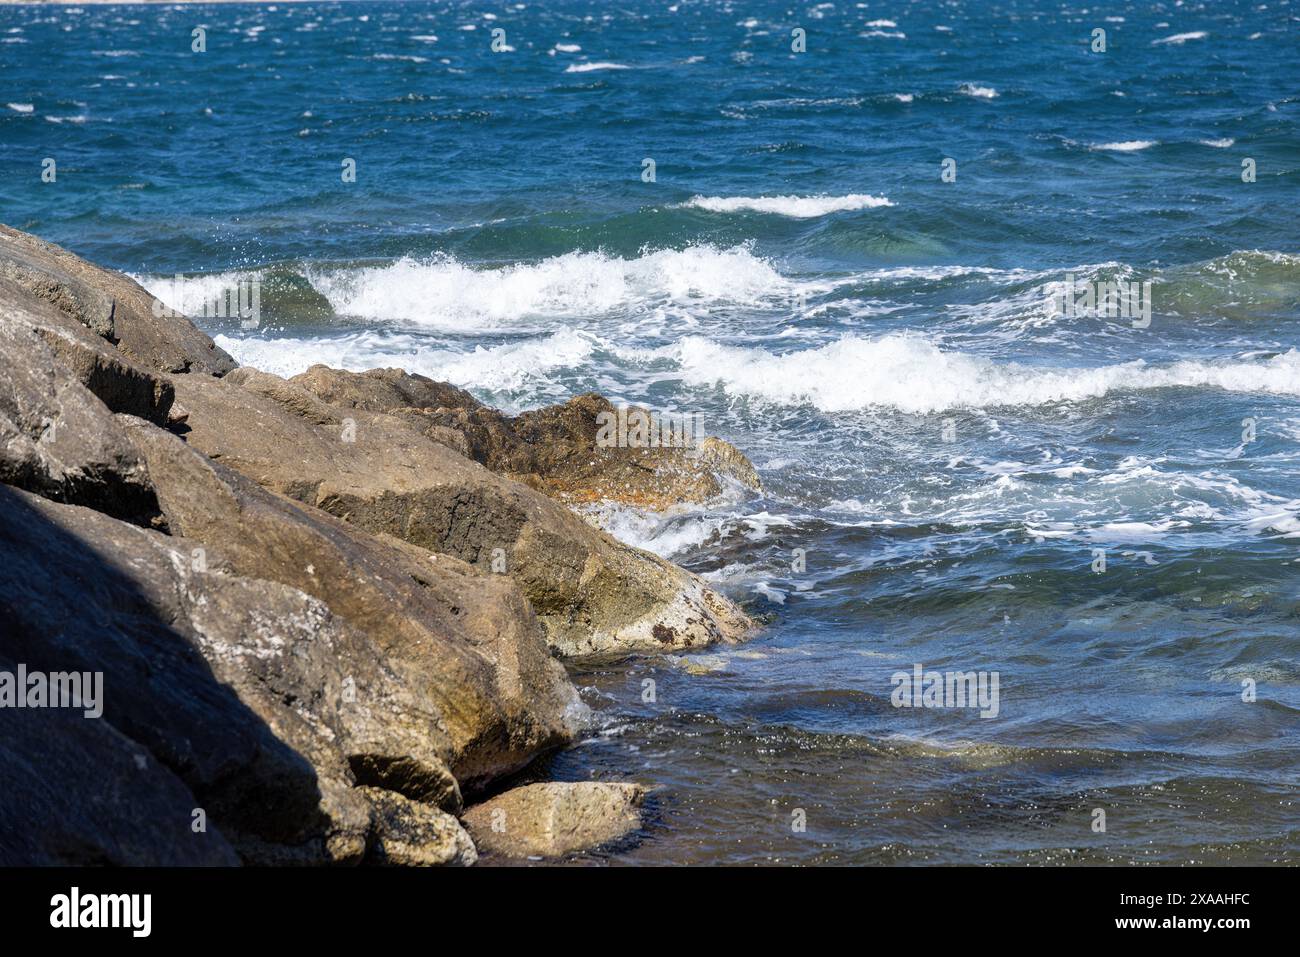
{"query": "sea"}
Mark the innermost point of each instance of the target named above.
(1001, 299)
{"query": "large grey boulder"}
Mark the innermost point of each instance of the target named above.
(109, 304)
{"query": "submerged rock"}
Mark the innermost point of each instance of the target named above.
(554, 819)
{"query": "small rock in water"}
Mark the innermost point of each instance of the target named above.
(555, 819)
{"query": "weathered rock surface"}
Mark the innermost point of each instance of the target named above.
(470, 685)
(56, 438)
(232, 684)
(554, 819)
(109, 304)
(554, 449)
(104, 370)
(291, 601)
(406, 833)
(264, 707)
(593, 594)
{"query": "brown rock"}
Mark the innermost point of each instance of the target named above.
(233, 685)
(554, 449)
(105, 371)
(469, 684)
(555, 819)
(593, 594)
(405, 833)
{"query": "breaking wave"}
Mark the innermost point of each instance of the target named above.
(912, 375)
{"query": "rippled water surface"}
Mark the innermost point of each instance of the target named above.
(943, 455)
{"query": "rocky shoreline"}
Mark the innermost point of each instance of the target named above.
(330, 612)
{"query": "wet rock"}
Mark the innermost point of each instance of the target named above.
(554, 819)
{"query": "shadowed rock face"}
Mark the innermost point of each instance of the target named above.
(69, 783)
(473, 687)
(562, 450)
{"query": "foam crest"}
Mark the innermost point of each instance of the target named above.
(798, 207)
(593, 67)
(510, 367)
(912, 375)
(1127, 146)
(445, 293)
(189, 295)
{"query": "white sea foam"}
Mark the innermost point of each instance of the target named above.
(187, 294)
(505, 368)
(1127, 146)
(567, 48)
(904, 97)
(912, 375)
(21, 107)
(444, 293)
(1221, 144)
(984, 92)
(799, 207)
(665, 535)
(1181, 38)
(589, 67)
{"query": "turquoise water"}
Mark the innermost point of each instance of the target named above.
(945, 451)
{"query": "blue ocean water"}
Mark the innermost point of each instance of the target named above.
(946, 457)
